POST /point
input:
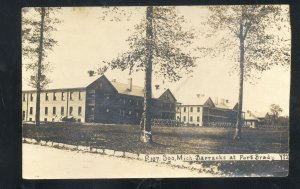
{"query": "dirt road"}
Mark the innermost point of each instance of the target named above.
(42, 162)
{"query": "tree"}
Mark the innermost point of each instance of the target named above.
(37, 27)
(249, 36)
(275, 109)
(157, 45)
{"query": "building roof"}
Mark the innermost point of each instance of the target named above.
(260, 114)
(255, 115)
(122, 88)
(194, 100)
(202, 100)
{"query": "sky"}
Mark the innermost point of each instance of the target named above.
(85, 40)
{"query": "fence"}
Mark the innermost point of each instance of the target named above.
(166, 123)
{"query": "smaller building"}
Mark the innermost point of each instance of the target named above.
(256, 119)
(203, 111)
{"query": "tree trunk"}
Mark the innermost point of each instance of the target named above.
(146, 135)
(40, 57)
(239, 121)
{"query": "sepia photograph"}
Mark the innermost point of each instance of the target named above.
(155, 91)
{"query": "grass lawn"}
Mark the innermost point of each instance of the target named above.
(170, 140)
(177, 140)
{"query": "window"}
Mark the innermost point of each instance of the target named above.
(54, 96)
(30, 119)
(191, 109)
(71, 110)
(46, 110)
(107, 110)
(45, 119)
(184, 118)
(79, 95)
(198, 109)
(191, 118)
(23, 97)
(62, 110)
(184, 109)
(129, 112)
(137, 114)
(23, 115)
(31, 110)
(31, 97)
(79, 110)
(54, 111)
(71, 94)
(46, 96)
(62, 96)
(91, 109)
(178, 118)
(198, 119)
(107, 97)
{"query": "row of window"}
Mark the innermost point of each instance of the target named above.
(132, 102)
(124, 113)
(191, 118)
(54, 96)
(191, 109)
(62, 110)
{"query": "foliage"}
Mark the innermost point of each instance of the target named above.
(169, 39)
(249, 37)
(31, 33)
(264, 29)
(275, 109)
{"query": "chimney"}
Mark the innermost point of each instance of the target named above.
(156, 87)
(113, 80)
(130, 84)
(91, 73)
(198, 95)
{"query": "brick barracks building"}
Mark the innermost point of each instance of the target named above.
(99, 100)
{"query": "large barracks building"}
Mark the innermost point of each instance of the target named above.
(99, 100)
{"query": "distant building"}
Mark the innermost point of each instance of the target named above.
(201, 111)
(98, 100)
(257, 119)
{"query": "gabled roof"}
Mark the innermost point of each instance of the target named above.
(166, 94)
